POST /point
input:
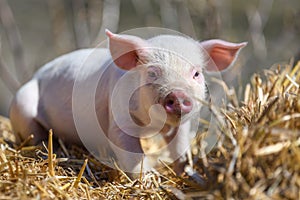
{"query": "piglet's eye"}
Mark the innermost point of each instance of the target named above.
(196, 74)
(153, 72)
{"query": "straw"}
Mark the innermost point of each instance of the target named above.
(257, 155)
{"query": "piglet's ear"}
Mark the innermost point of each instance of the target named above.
(222, 54)
(126, 50)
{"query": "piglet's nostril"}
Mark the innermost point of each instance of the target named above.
(187, 102)
(170, 102)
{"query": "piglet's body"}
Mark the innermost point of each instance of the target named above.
(168, 71)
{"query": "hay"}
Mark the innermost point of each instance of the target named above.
(257, 156)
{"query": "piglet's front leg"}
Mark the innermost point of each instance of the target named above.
(129, 153)
(178, 142)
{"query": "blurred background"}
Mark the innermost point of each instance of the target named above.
(34, 32)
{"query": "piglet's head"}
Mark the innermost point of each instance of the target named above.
(172, 70)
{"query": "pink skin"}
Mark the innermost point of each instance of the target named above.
(49, 94)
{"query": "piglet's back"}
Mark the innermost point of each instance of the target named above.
(56, 82)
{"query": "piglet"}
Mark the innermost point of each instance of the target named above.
(135, 88)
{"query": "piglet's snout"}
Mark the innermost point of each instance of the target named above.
(178, 103)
